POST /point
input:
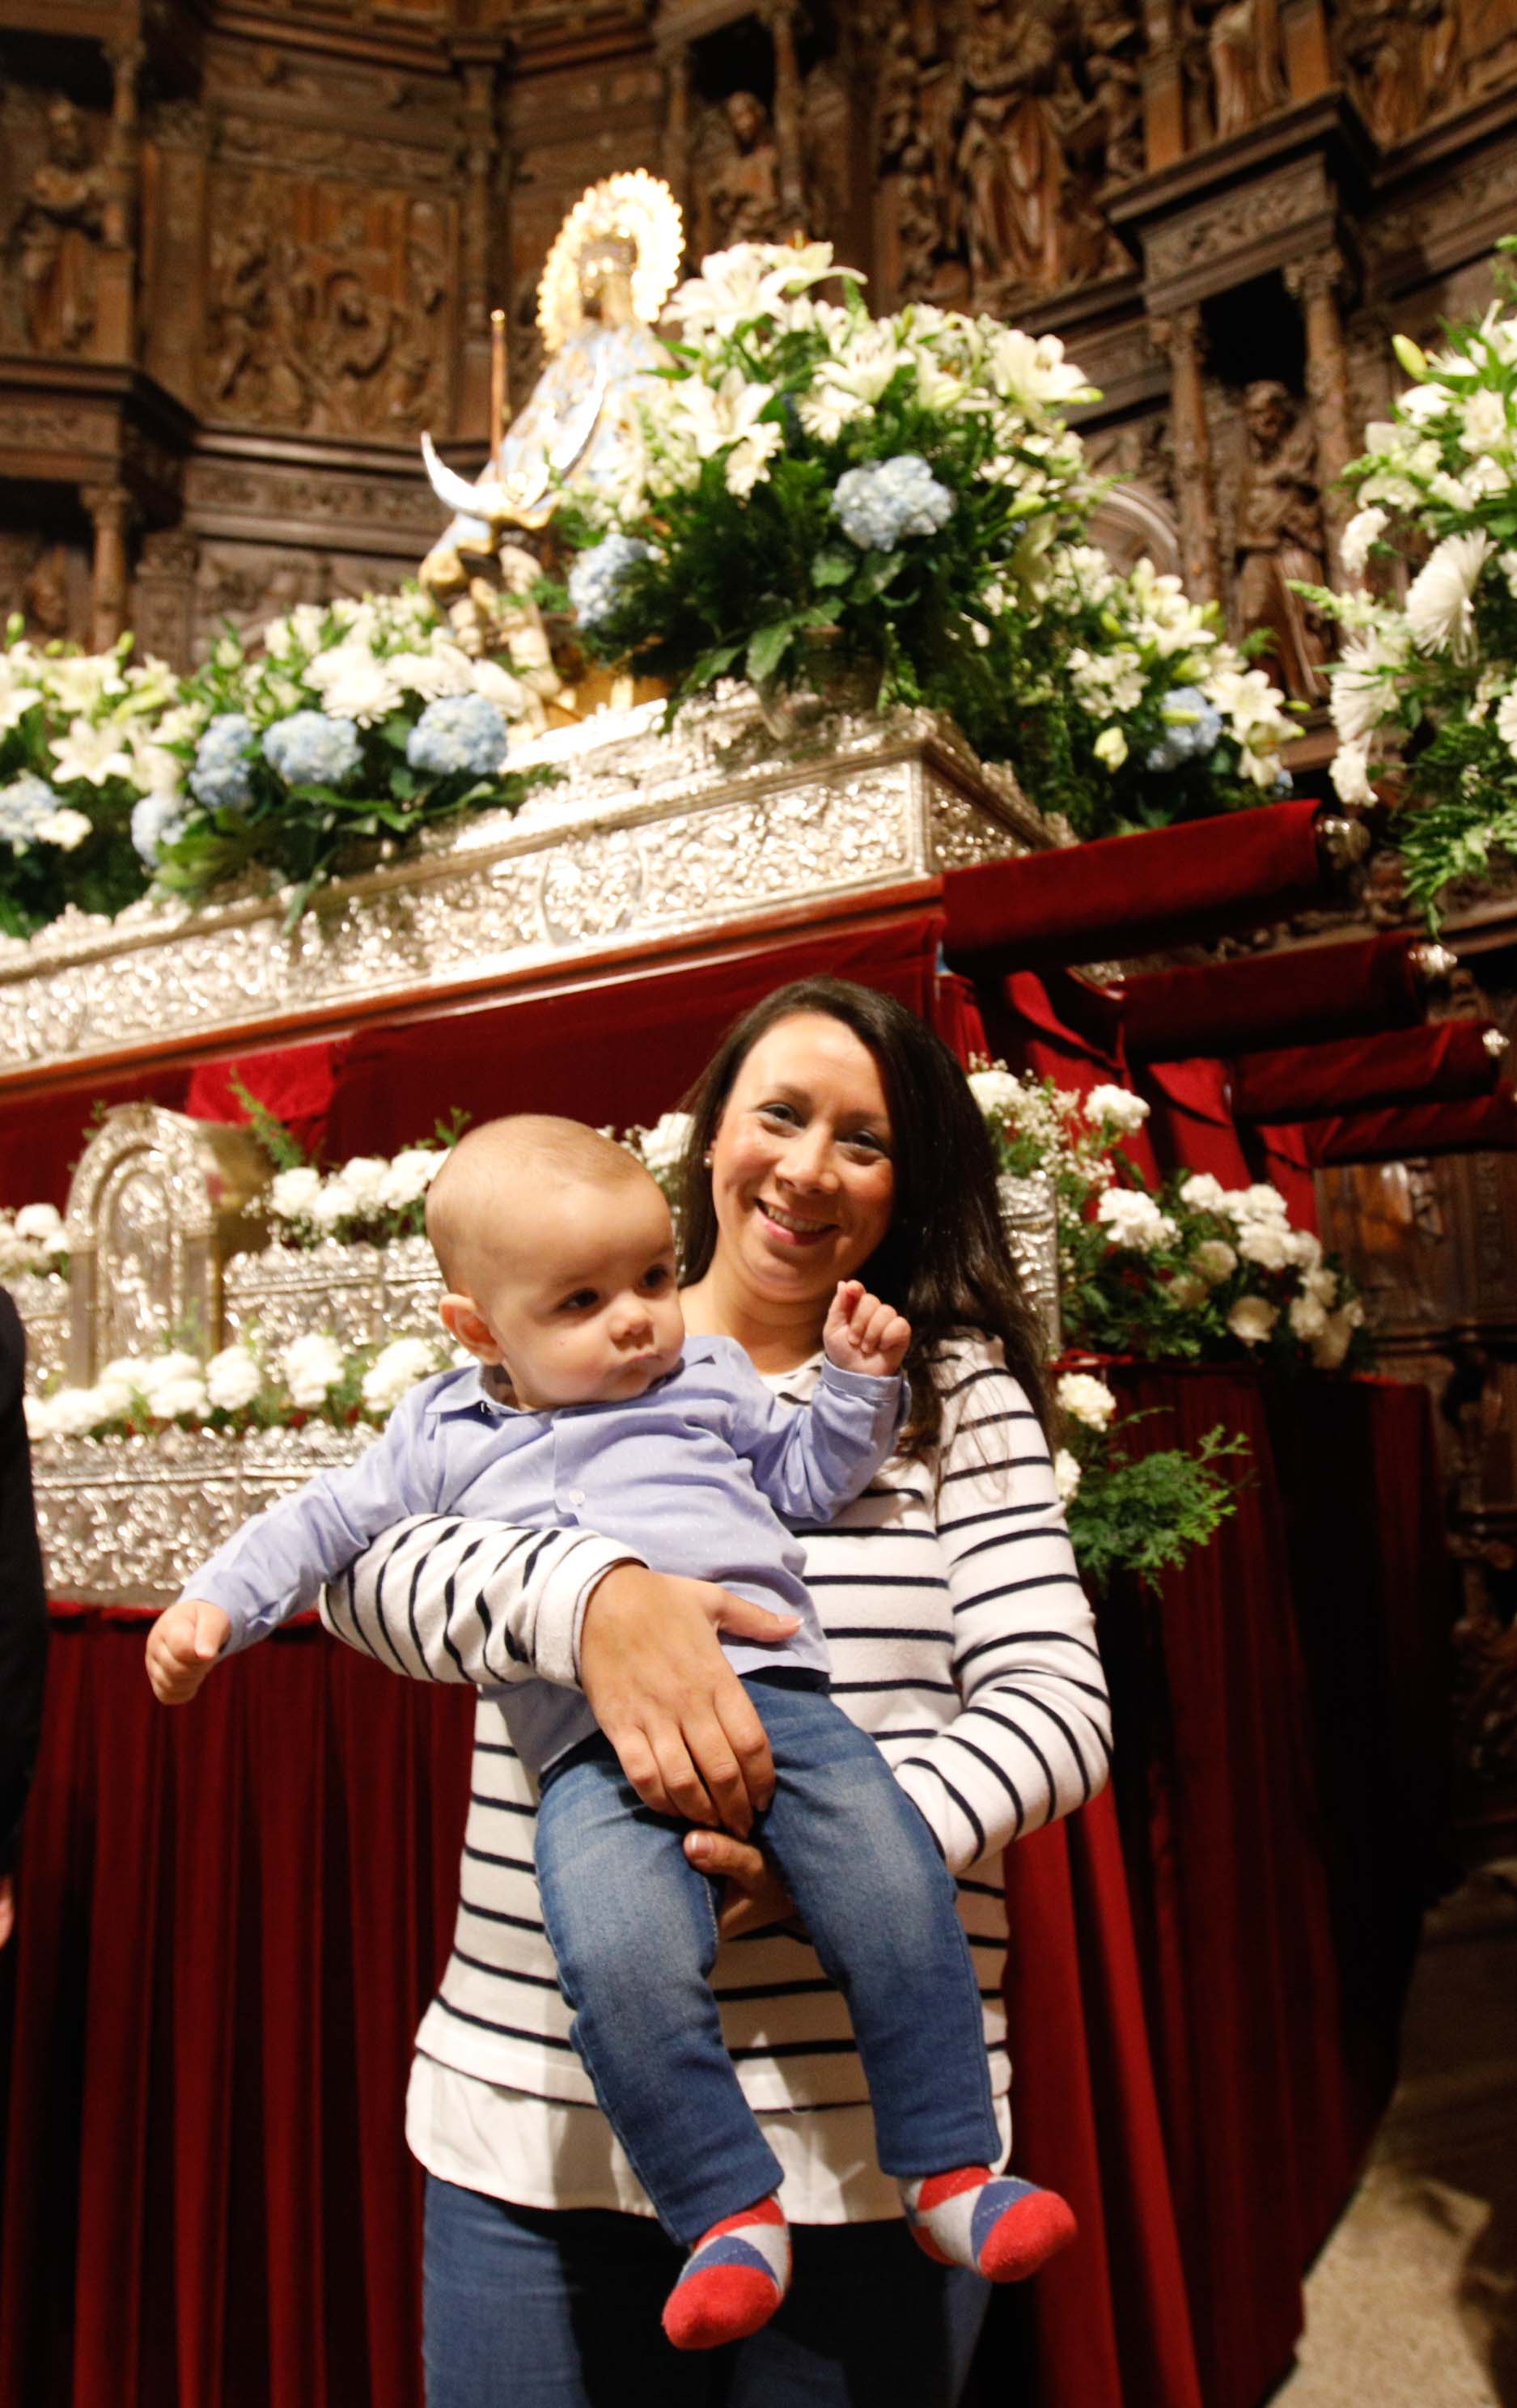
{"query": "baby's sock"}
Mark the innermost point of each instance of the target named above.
(1003, 2228)
(735, 2278)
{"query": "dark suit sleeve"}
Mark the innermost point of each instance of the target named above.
(23, 1609)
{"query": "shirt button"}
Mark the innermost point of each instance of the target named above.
(577, 1496)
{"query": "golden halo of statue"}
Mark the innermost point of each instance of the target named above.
(633, 208)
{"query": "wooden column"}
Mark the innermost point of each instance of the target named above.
(471, 415)
(1183, 336)
(675, 152)
(1315, 283)
(111, 507)
(1164, 100)
(780, 16)
(115, 327)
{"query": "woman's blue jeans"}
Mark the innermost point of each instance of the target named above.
(525, 2308)
(633, 1926)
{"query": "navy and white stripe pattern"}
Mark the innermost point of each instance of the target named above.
(961, 1639)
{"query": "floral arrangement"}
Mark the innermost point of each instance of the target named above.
(812, 482)
(32, 1243)
(335, 737)
(238, 1390)
(1425, 694)
(1128, 1512)
(77, 739)
(368, 1199)
(1188, 1271)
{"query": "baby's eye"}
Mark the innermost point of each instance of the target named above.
(580, 1301)
(657, 1277)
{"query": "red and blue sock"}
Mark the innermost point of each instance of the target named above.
(1002, 2228)
(734, 2279)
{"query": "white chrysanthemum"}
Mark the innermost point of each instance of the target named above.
(312, 1366)
(41, 1420)
(1441, 610)
(113, 1398)
(1065, 1476)
(1185, 1292)
(355, 684)
(400, 1365)
(1117, 1107)
(408, 1177)
(1215, 1260)
(1322, 1284)
(1085, 1399)
(1364, 682)
(1251, 1319)
(1202, 1193)
(1349, 770)
(1330, 1346)
(1363, 530)
(1304, 1249)
(183, 1399)
(1307, 1318)
(363, 1176)
(73, 1413)
(1260, 1202)
(232, 1379)
(1506, 720)
(40, 1224)
(292, 1192)
(1133, 1220)
(662, 1146)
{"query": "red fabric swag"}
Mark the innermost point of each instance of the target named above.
(1191, 1126)
(1027, 1033)
(295, 1083)
(1485, 1123)
(1128, 894)
(1299, 998)
(1442, 1064)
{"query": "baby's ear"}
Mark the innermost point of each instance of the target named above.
(462, 1321)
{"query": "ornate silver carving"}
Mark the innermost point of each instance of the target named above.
(1030, 1214)
(647, 834)
(126, 1520)
(41, 1299)
(361, 1294)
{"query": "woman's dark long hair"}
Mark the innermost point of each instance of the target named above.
(944, 1261)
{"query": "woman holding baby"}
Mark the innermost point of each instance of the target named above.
(834, 1137)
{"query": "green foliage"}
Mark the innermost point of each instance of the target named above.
(278, 1141)
(1145, 1513)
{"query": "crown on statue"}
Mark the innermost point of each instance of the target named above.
(633, 208)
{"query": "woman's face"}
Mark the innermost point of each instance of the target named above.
(803, 1177)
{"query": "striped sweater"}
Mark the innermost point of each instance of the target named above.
(961, 1639)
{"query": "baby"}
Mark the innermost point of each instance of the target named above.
(590, 1405)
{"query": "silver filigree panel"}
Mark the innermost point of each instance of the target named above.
(1030, 1216)
(362, 1295)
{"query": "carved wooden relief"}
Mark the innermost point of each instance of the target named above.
(52, 200)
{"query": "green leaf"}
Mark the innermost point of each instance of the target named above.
(767, 649)
(709, 665)
(833, 568)
(880, 571)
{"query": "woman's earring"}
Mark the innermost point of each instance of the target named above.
(706, 1161)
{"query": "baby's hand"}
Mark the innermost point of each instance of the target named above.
(183, 1646)
(863, 1334)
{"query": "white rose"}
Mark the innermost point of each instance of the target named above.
(42, 1224)
(163, 1370)
(1262, 1242)
(1086, 1399)
(1203, 1193)
(74, 1412)
(1260, 1203)
(333, 1202)
(1215, 1260)
(1124, 1109)
(173, 1398)
(127, 1371)
(1185, 1292)
(409, 1176)
(1304, 1249)
(995, 1091)
(40, 1420)
(400, 1365)
(232, 1379)
(292, 1192)
(1253, 1318)
(114, 1398)
(1065, 1475)
(1133, 1220)
(1322, 1284)
(312, 1367)
(1330, 1347)
(1307, 1318)
(363, 1178)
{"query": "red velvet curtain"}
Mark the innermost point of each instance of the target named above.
(1126, 894)
(1302, 996)
(1442, 1064)
(1485, 1124)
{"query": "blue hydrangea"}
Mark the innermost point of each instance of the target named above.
(462, 732)
(597, 576)
(157, 820)
(24, 805)
(307, 749)
(220, 781)
(1190, 738)
(887, 499)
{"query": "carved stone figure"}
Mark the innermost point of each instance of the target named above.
(740, 199)
(1401, 56)
(1010, 152)
(918, 109)
(1278, 536)
(58, 235)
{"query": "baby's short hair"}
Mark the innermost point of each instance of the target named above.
(487, 1159)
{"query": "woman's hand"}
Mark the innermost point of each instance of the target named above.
(756, 1897)
(654, 1677)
